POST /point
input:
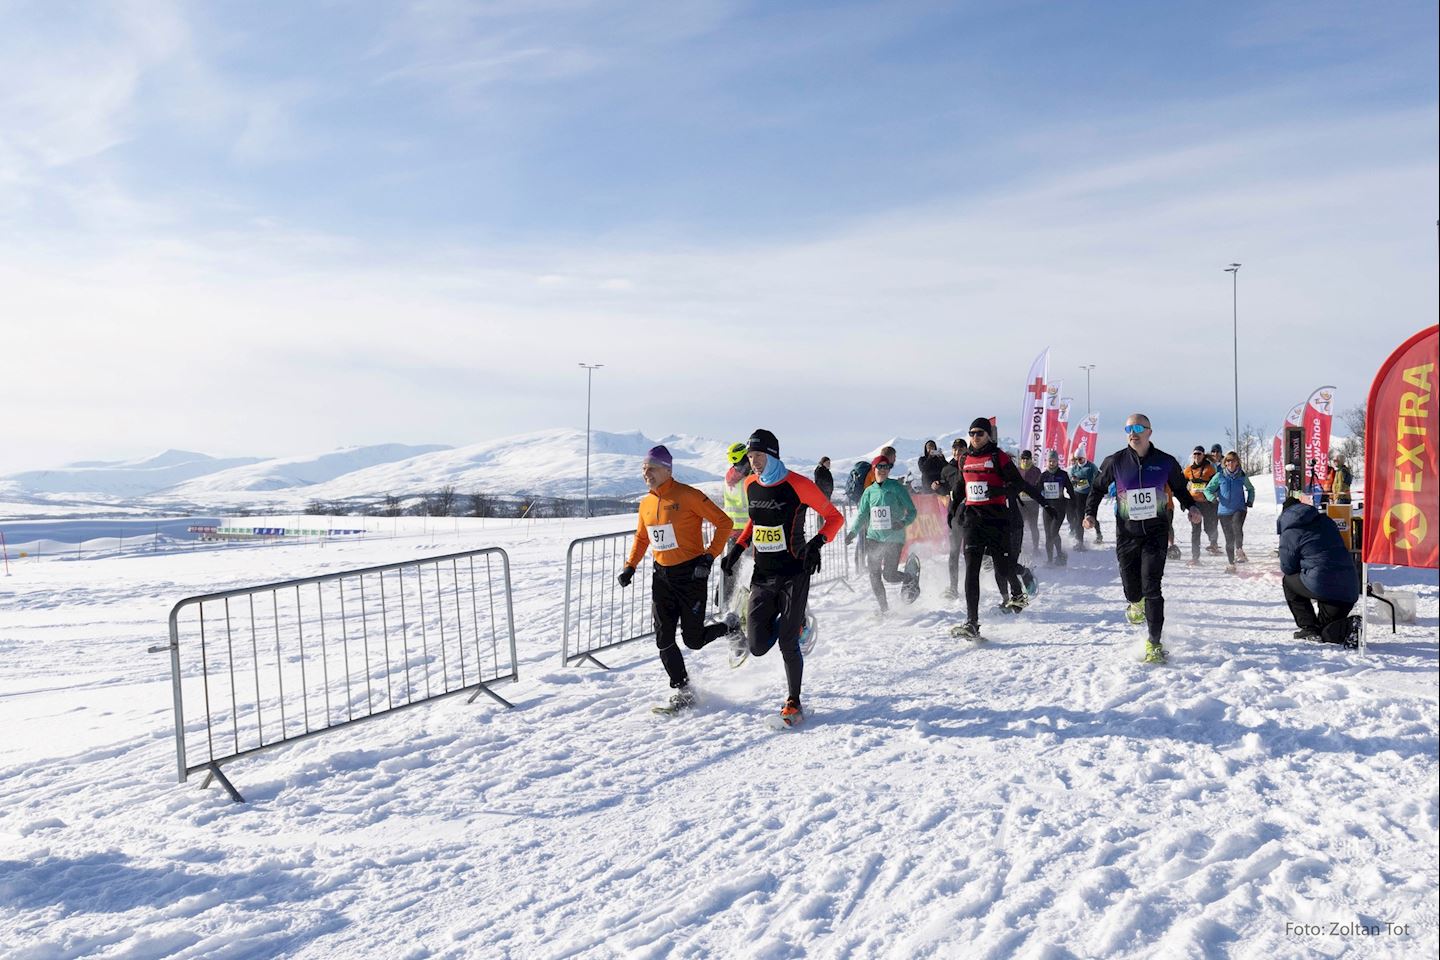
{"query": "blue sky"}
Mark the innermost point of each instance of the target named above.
(281, 228)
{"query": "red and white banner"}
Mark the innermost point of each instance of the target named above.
(1277, 468)
(1085, 436)
(1032, 408)
(1052, 417)
(1296, 415)
(1061, 443)
(929, 534)
(1318, 414)
(1402, 457)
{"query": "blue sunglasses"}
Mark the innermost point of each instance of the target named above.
(1135, 429)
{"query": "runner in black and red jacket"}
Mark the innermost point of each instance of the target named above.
(784, 559)
(981, 502)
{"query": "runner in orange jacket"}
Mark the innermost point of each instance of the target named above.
(670, 524)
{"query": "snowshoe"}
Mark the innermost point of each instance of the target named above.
(1240, 556)
(1305, 633)
(1174, 552)
(739, 646)
(950, 593)
(910, 589)
(1135, 612)
(1155, 652)
(809, 635)
(1229, 568)
(967, 631)
(1018, 602)
(1214, 550)
(1061, 559)
(792, 714)
(1193, 562)
(1028, 581)
(680, 701)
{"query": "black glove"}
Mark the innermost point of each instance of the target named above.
(626, 576)
(812, 554)
(732, 557)
(849, 538)
(703, 563)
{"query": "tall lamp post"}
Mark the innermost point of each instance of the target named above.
(1234, 271)
(590, 369)
(1087, 367)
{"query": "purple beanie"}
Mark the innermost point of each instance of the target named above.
(660, 457)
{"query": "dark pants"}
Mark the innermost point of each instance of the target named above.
(677, 597)
(1030, 510)
(1333, 623)
(957, 550)
(883, 558)
(1142, 567)
(1053, 547)
(728, 581)
(993, 537)
(1234, 526)
(1077, 521)
(1209, 517)
(777, 615)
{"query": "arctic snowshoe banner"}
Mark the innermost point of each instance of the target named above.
(1402, 459)
(1277, 467)
(1317, 438)
(1052, 419)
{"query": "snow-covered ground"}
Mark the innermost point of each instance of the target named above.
(1044, 795)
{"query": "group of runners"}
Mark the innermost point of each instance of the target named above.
(992, 499)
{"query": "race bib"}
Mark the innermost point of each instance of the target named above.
(768, 539)
(662, 536)
(1142, 504)
(1197, 487)
(1052, 489)
(879, 518)
(977, 490)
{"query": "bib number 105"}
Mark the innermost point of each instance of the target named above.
(1144, 504)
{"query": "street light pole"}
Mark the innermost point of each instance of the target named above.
(1234, 271)
(1087, 367)
(590, 369)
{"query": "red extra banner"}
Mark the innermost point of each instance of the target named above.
(1402, 458)
(929, 535)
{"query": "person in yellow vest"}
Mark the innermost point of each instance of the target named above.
(671, 524)
(737, 506)
(1197, 477)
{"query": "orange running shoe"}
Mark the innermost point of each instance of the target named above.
(792, 715)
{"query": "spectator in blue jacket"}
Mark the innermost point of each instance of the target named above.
(1235, 494)
(1317, 567)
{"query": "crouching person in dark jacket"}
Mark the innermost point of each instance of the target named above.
(1318, 571)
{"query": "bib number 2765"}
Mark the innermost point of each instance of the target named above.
(768, 539)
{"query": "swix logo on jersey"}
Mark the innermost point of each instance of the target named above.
(767, 504)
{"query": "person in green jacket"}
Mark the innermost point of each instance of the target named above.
(884, 511)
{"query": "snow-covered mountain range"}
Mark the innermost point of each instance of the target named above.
(544, 463)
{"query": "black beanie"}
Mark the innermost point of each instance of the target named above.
(764, 441)
(982, 423)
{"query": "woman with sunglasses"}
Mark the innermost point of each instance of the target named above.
(1234, 494)
(885, 510)
(1143, 474)
(982, 504)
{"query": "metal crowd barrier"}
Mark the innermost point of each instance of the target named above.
(261, 666)
(601, 615)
